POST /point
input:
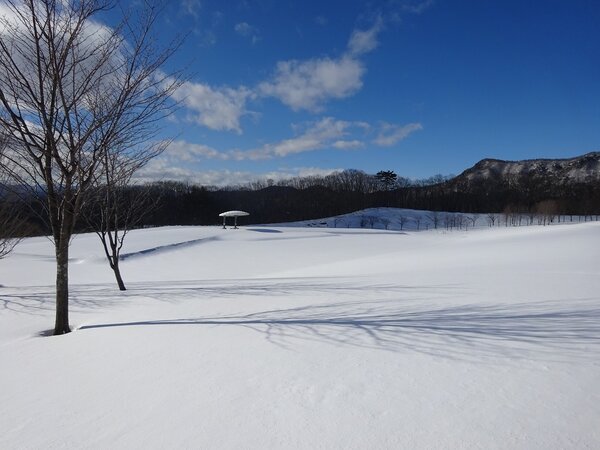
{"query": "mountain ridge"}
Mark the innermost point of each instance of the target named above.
(579, 169)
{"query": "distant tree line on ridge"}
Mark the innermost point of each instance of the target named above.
(303, 198)
(312, 197)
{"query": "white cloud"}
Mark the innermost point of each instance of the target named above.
(300, 84)
(205, 26)
(159, 170)
(246, 30)
(99, 54)
(207, 38)
(188, 152)
(315, 136)
(390, 134)
(219, 109)
(191, 7)
(326, 133)
(177, 162)
(416, 6)
(348, 145)
(243, 29)
(313, 171)
(7, 12)
(365, 41)
(309, 84)
(321, 20)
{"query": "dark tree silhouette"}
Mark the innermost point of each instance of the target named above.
(386, 179)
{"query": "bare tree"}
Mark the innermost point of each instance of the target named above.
(547, 209)
(11, 223)
(71, 90)
(434, 218)
(472, 219)
(402, 220)
(13, 226)
(507, 213)
(367, 220)
(338, 220)
(449, 220)
(417, 220)
(363, 221)
(355, 181)
(115, 207)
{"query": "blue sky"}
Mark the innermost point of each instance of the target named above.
(281, 88)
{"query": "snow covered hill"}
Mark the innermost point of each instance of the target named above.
(401, 219)
(398, 219)
(308, 337)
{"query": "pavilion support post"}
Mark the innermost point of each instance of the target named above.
(235, 214)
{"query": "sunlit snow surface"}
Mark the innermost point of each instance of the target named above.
(280, 337)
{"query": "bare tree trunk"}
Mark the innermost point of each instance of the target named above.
(117, 271)
(111, 250)
(61, 324)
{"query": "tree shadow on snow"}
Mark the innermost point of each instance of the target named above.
(546, 331)
(392, 317)
(39, 300)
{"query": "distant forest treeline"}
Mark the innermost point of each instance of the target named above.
(315, 197)
(304, 198)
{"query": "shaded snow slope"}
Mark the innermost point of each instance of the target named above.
(401, 219)
(278, 337)
(397, 219)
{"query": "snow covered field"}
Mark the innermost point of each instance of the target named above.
(312, 338)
